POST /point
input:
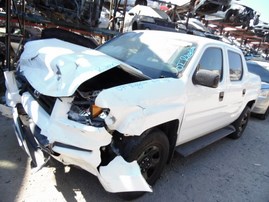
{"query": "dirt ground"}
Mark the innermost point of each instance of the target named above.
(228, 170)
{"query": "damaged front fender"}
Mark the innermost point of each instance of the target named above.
(136, 107)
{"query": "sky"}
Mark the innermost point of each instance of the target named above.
(262, 6)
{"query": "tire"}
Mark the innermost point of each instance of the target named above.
(2, 87)
(231, 16)
(2, 77)
(241, 123)
(151, 151)
(134, 26)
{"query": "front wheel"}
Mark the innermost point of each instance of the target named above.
(151, 151)
(241, 123)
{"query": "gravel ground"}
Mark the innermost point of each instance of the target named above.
(228, 170)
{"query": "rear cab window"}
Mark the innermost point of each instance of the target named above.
(235, 66)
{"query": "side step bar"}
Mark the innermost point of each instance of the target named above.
(199, 143)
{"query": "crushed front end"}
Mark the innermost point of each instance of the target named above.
(57, 117)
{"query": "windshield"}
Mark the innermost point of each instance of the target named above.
(259, 70)
(151, 12)
(156, 55)
(162, 14)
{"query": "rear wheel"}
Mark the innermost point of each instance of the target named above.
(241, 123)
(151, 152)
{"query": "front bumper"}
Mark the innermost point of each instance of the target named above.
(261, 105)
(72, 143)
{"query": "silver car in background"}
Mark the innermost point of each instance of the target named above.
(261, 107)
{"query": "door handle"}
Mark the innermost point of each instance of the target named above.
(221, 96)
(243, 92)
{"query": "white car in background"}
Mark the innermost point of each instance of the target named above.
(261, 107)
(104, 18)
(144, 17)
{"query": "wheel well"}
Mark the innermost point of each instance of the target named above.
(134, 26)
(251, 103)
(170, 130)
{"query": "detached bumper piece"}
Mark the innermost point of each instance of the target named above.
(121, 176)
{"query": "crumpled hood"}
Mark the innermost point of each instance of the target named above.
(57, 68)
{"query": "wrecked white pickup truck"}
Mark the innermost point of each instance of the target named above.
(121, 111)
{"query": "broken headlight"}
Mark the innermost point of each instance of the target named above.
(84, 111)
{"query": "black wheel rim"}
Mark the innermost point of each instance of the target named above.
(148, 161)
(243, 122)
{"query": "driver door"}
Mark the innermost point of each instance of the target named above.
(206, 106)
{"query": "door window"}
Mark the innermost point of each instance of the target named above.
(212, 60)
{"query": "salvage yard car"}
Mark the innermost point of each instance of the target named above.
(261, 106)
(122, 110)
(237, 14)
(144, 17)
(210, 6)
(262, 28)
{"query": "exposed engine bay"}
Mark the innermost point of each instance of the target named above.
(84, 110)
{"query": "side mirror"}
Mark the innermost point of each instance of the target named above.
(206, 78)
